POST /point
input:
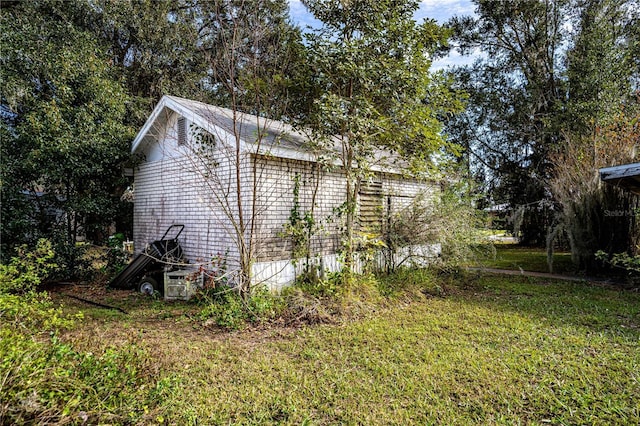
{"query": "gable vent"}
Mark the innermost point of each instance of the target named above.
(370, 195)
(182, 131)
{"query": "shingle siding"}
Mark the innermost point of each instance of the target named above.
(168, 192)
(180, 187)
(275, 200)
(197, 188)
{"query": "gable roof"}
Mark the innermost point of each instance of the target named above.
(626, 176)
(277, 138)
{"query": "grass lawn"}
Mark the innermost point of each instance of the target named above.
(474, 350)
(513, 256)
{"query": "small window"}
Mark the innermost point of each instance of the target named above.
(182, 131)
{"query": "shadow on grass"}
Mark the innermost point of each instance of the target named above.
(516, 257)
(600, 308)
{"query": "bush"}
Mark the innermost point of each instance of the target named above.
(341, 294)
(263, 305)
(28, 268)
(47, 381)
(116, 256)
(74, 260)
(226, 308)
(32, 313)
(448, 219)
(320, 287)
(622, 261)
(50, 382)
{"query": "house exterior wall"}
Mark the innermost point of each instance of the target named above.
(400, 191)
(273, 264)
(174, 185)
(276, 183)
(186, 184)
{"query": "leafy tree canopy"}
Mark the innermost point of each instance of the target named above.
(550, 68)
(63, 111)
(370, 64)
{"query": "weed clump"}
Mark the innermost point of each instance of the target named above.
(357, 296)
(224, 307)
(314, 300)
(304, 307)
(28, 268)
(47, 381)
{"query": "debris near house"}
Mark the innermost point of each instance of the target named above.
(158, 268)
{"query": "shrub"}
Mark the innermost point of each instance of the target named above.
(116, 256)
(263, 305)
(448, 219)
(624, 262)
(28, 268)
(47, 381)
(584, 199)
(32, 312)
(315, 286)
(226, 308)
(340, 294)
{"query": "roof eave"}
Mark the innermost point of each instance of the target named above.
(626, 176)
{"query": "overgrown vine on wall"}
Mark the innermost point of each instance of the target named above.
(300, 227)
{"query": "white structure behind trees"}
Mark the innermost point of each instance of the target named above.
(202, 165)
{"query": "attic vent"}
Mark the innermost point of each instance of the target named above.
(182, 131)
(370, 205)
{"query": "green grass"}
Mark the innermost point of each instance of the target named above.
(512, 256)
(501, 351)
(475, 349)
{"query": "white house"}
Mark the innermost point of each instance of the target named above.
(196, 158)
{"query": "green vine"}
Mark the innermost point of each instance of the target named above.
(300, 226)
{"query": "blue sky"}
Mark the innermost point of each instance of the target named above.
(440, 10)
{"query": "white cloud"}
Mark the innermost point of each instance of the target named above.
(442, 10)
(301, 17)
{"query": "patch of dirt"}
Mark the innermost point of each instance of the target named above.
(170, 331)
(95, 292)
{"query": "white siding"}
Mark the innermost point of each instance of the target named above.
(275, 201)
(276, 179)
(197, 188)
(169, 192)
(180, 185)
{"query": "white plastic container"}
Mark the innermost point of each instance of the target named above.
(182, 284)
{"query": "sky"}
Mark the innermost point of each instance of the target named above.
(440, 10)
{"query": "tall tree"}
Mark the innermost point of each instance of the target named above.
(599, 129)
(253, 55)
(601, 64)
(153, 47)
(63, 141)
(554, 75)
(516, 91)
(371, 66)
